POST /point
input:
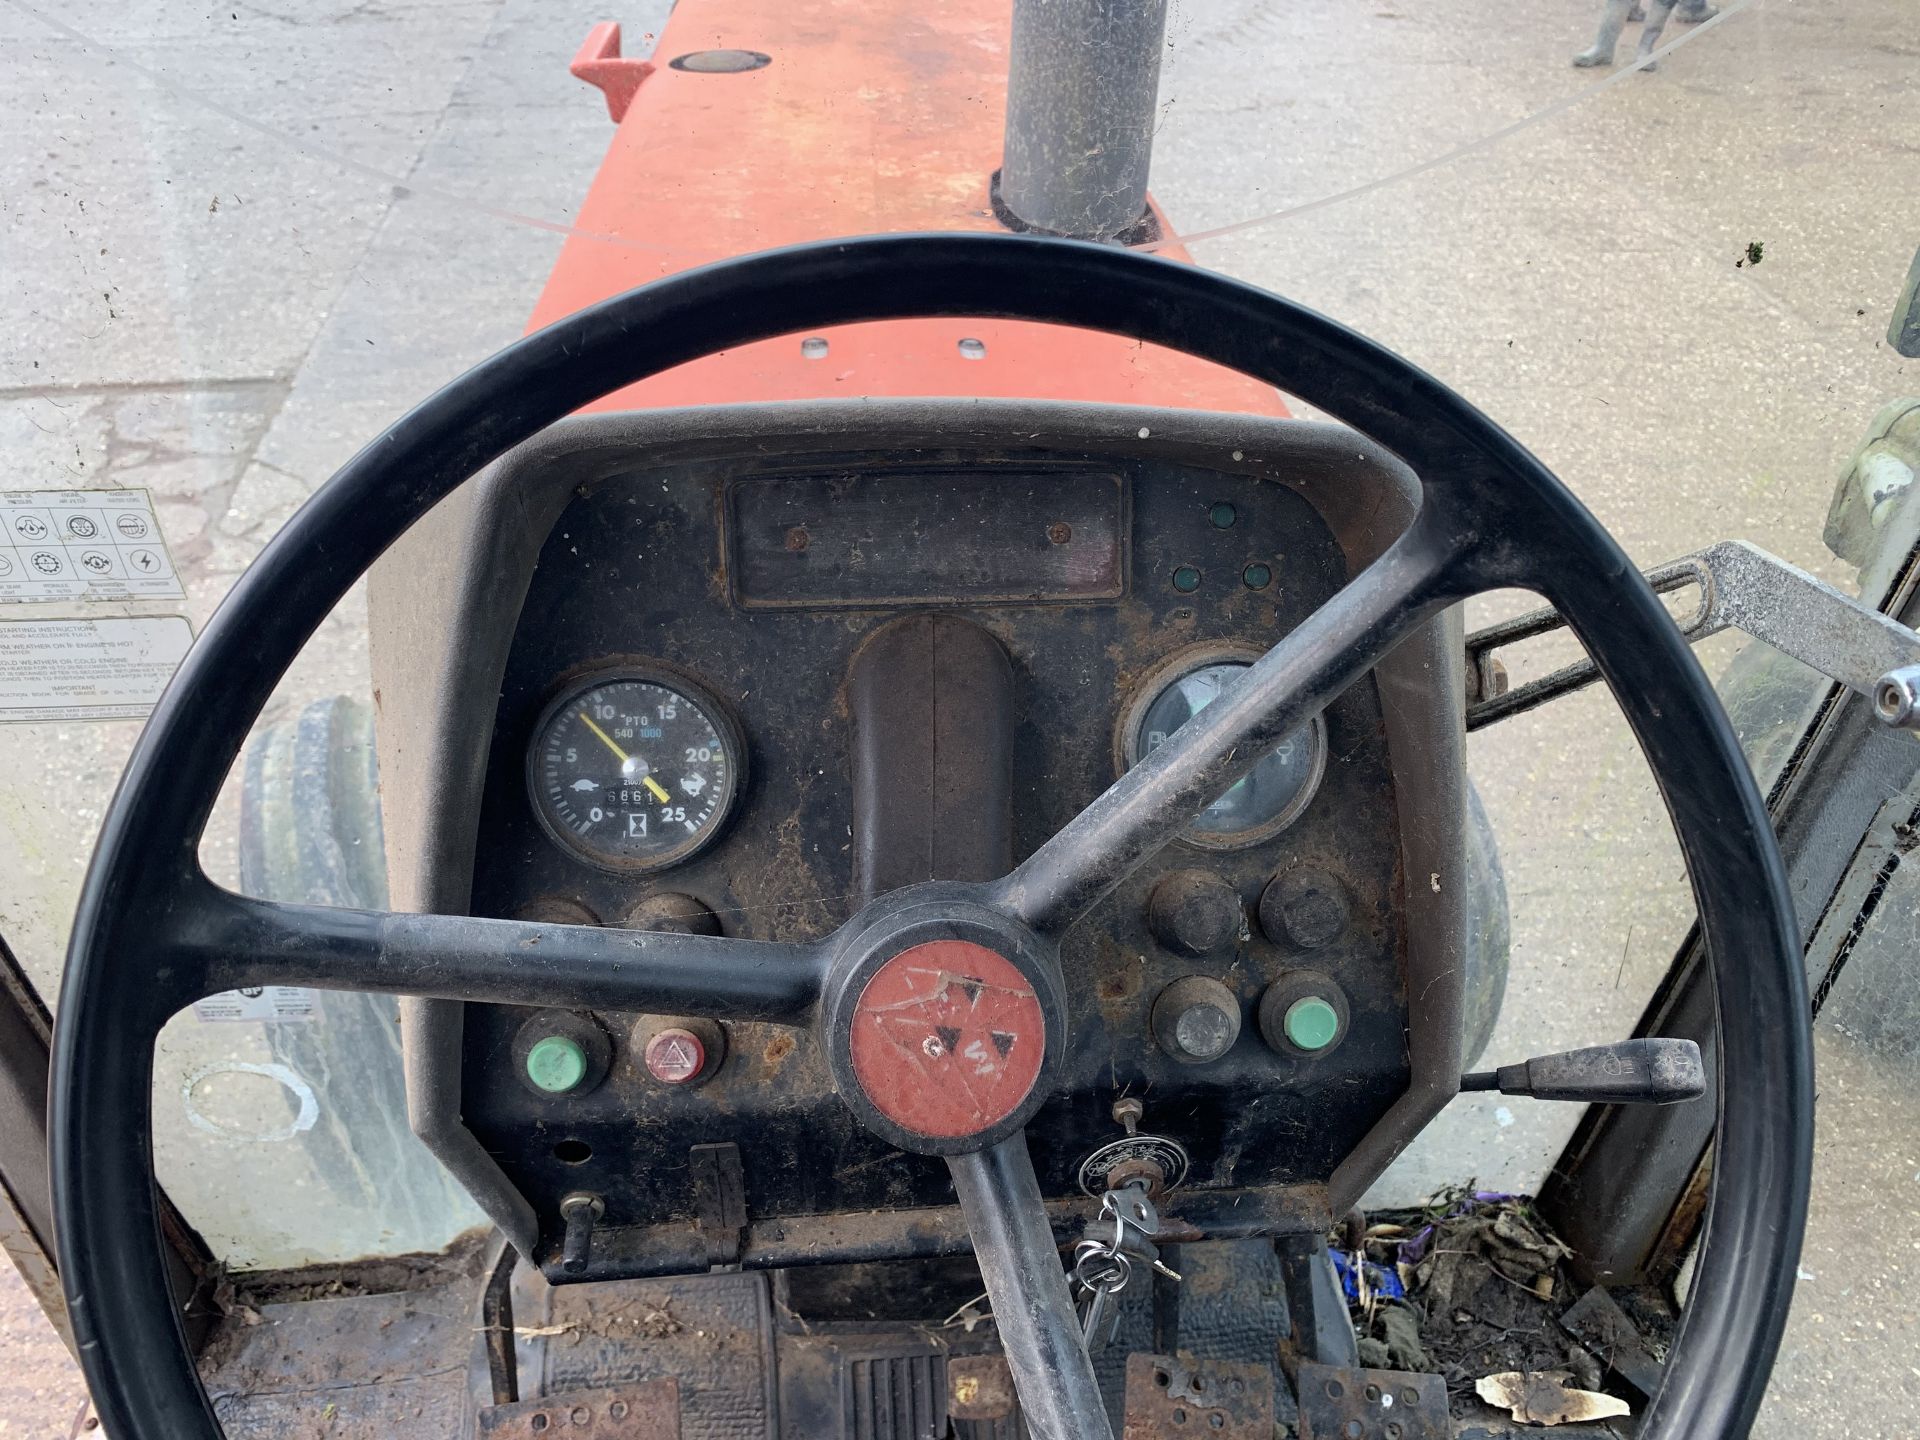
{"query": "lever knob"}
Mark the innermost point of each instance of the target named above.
(1652, 1071)
(580, 1211)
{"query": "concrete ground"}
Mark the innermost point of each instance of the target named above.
(217, 288)
(42, 1396)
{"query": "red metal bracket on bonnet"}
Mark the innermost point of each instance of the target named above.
(599, 62)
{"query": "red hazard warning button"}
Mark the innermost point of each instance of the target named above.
(947, 1039)
(675, 1056)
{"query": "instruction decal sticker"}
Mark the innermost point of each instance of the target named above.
(280, 1004)
(88, 669)
(83, 545)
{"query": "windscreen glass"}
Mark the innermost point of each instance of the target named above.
(1676, 261)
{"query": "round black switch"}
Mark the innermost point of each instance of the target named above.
(1305, 908)
(1196, 1019)
(1194, 912)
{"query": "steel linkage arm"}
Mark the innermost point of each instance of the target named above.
(1744, 588)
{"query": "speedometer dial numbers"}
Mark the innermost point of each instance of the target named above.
(635, 771)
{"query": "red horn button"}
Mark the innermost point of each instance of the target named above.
(947, 1039)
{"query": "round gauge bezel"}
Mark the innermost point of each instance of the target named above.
(667, 677)
(1149, 687)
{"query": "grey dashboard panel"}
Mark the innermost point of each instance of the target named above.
(445, 603)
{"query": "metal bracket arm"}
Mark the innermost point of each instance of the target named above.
(1742, 588)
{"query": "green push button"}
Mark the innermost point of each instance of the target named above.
(556, 1064)
(1312, 1023)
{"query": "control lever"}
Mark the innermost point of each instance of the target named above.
(579, 1210)
(1648, 1072)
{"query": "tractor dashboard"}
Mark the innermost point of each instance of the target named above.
(739, 681)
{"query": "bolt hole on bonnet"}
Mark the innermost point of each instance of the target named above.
(572, 1152)
(720, 62)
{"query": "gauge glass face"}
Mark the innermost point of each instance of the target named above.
(632, 773)
(1278, 788)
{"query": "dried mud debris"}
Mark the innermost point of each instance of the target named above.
(1474, 1286)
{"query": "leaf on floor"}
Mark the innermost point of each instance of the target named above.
(1546, 1397)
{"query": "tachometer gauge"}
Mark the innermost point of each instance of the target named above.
(635, 771)
(1255, 808)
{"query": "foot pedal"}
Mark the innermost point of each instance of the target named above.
(647, 1411)
(896, 1393)
(713, 1334)
(1382, 1404)
(981, 1400)
(1220, 1399)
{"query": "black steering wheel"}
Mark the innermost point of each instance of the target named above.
(153, 933)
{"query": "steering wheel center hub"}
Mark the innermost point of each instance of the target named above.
(940, 1018)
(947, 1039)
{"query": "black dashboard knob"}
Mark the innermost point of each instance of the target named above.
(1304, 908)
(1195, 912)
(1196, 1019)
(672, 912)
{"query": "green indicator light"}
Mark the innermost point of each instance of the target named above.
(1186, 579)
(1257, 576)
(1222, 515)
(1312, 1023)
(556, 1064)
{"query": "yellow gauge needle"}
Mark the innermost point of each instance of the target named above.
(605, 739)
(659, 790)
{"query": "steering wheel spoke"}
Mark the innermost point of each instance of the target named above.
(1027, 1287)
(1416, 577)
(232, 941)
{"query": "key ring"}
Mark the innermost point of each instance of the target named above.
(1117, 1276)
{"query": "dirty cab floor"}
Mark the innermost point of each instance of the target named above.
(1470, 1287)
